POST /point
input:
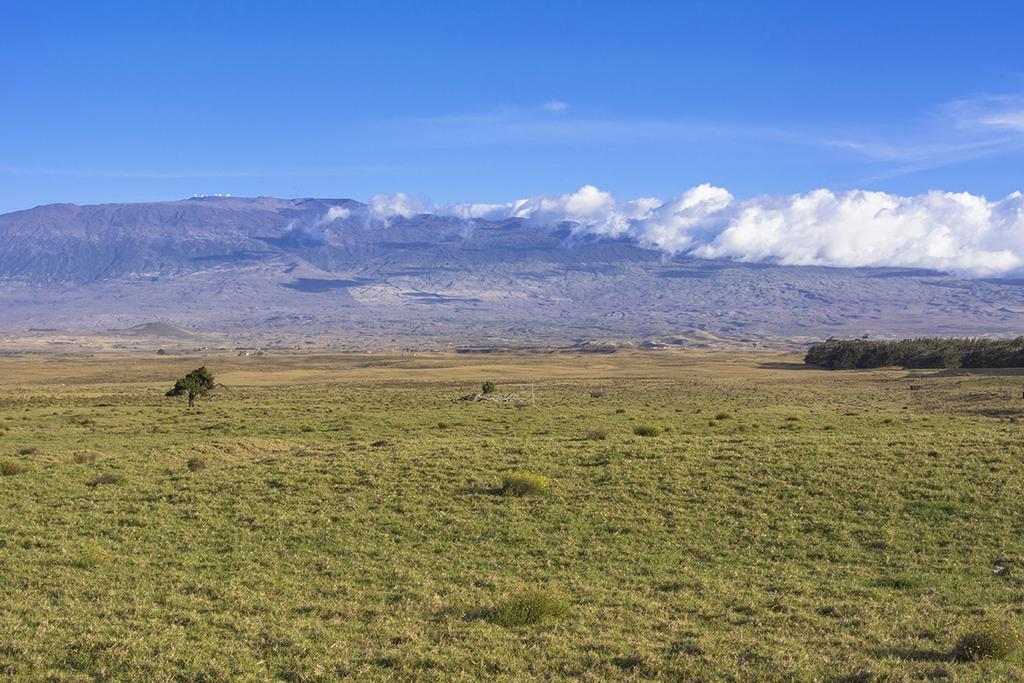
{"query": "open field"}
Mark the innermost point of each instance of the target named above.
(342, 519)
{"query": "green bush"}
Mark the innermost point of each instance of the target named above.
(10, 467)
(521, 484)
(488, 387)
(532, 607)
(199, 382)
(647, 430)
(996, 640)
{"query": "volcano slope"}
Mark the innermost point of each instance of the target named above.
(326, 272)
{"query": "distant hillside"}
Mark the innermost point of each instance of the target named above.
(158, 330)
(326, 270)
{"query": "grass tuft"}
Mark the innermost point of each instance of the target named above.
(531, 607)
(521, 484)
(85, 457)
(31, 450)
(598, 434)
(647, 430)
(9, 467)
(901, 582)
(106, 478)
(195, 464)
(987, 640)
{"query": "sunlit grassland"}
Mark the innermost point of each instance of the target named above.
(348, 523)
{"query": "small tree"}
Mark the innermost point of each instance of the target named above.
(199, 382)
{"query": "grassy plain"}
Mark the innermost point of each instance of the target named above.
(342, 518)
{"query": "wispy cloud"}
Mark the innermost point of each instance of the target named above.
(951, 133)
(145, 174)
(515, 125)
(988, 113)
(954, 132)
(556, 106)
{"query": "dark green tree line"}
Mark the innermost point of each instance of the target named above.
(924, 352)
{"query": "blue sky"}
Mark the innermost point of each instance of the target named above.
(486, 102)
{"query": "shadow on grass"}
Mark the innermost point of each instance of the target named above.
(965, 372)
(998, 412)
(913, 654)
(787, 366)
(481, 490)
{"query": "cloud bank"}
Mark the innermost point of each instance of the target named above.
(954, 232)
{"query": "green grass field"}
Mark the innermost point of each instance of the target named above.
(343, 517)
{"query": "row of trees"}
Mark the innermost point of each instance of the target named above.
(925, 352)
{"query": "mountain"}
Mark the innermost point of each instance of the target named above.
(329, 271)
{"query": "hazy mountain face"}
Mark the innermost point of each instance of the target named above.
(322, 268)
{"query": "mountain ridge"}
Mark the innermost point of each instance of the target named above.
(323, 269)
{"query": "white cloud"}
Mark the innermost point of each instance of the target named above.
(956, 232)
(556, 106)
(400, 204)
(336, 213)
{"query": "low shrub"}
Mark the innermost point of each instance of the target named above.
(85, 457)
(722, 416)
(195, 464)
(597, 393)
(532, 607)
(647, 430)
(9, 467)
(996, 640)
(31, 450)
(307, 428)
(488, 387)
(598, 434)
(521, 484)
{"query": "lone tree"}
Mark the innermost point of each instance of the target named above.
(199, 382)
